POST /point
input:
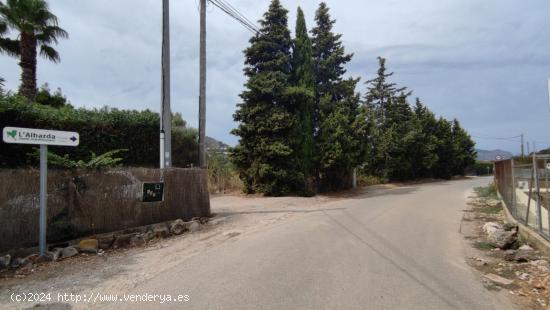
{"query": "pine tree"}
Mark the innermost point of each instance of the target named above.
(380, 92)
(265, 156)
(388, 107)
(340, 125)
(303, 97)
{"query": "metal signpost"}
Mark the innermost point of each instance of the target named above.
(43, 138)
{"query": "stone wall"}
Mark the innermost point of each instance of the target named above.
(91, 202)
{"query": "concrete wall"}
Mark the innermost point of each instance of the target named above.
(89, 202)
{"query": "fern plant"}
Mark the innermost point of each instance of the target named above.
(105, 160)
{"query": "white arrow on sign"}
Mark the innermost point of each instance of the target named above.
(40, 136)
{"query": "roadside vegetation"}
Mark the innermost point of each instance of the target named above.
(487, 192)
(504, 259)
(304, 128)
(101, 131)
(222, 176)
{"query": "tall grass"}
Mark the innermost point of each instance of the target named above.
(489, 191)
(222, 175)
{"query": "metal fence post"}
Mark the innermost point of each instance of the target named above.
(513, 185)
(43, 198)
(537, 192)
(547, 194)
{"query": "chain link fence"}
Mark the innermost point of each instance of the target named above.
(525, 188)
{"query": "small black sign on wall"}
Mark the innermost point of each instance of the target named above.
(153, 192)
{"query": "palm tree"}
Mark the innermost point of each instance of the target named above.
(37, 28)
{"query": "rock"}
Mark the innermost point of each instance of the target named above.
(200, 220)
(509, 255)
(69, 252)
(33, 258)
(105, 242)
(137, 240)
(524, 254)
(492, 227)
(192, 226)
(149, 235)
(5, 261)
(50, 256)
(499, 237)
(498, 279)
(540, 262)
(88, 245)
(492, 202)
(177, 227)
(20, 262)
(161, 230)
(524, 276)
(542, 265)
(122, 241)
(526, 247)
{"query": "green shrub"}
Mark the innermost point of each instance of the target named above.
(101, 130)
(45, 97)
(222, 175)
(368, 180)
(483, 168)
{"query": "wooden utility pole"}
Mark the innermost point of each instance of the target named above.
(165, 111)
(202, 87)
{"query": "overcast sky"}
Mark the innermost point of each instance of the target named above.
(485, 63)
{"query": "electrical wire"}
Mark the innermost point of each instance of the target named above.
(239, 13)
(235, 14)
(512, 139)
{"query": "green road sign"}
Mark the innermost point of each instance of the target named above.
(153, 192)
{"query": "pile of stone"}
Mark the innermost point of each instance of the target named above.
(501, 236)
(98, 244)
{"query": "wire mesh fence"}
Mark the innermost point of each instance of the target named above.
(525, 188)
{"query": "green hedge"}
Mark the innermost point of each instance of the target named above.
(482, 168)
(101, 130)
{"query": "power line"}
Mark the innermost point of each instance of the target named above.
(511, 139)
(239, 13)
(235, 14)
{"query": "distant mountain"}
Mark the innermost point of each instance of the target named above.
(485, 155)
(213, 144)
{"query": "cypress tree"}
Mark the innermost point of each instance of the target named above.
(339, 123)
(265, 156)
(303, 97)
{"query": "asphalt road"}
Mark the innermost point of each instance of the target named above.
(391, 249)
